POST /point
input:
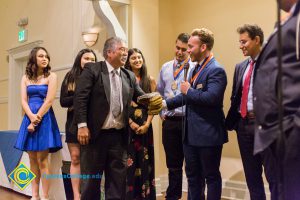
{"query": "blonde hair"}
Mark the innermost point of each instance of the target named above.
(205, 36)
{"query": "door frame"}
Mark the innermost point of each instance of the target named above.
(17, 57)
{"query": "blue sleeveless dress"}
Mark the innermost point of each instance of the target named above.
(46, 134)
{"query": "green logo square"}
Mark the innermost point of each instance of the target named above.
(22, 176)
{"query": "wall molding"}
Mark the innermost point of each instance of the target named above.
(57, 95)
(127, 2)
(3, 100)
(3, 79)
(57, 69)
(105, 13)
(62, 68)
(18, 52)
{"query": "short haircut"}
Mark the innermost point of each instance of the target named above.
(183, 37)
(205, 36)
(110, 44)
(253, 30)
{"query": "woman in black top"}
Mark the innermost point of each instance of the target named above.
(140, 173)
(66, 100)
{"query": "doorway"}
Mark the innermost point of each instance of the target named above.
(17, 63)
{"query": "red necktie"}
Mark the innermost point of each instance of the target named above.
(246, 90)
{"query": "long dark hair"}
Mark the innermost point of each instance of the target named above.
(145, 79)
(32, 68)
(76, 69)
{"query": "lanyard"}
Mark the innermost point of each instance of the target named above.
(178, 71)
(206, 61)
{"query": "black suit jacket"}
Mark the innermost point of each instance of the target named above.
(234, 115)
(265, 89)
(92, 96)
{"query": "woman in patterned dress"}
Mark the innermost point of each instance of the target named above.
(140, 174)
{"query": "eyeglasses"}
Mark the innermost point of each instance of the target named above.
(243, 42)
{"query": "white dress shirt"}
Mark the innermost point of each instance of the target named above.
(110, 121)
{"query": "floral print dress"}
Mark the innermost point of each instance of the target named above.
(140, 172)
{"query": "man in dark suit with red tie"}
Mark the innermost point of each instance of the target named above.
(266, 104)
(205, 132)
(241, 117)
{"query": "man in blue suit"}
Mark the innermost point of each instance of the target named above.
(241, 117)
(266, 103)
(205, 131)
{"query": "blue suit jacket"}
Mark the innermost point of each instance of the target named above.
(265, 89)
(205, 121)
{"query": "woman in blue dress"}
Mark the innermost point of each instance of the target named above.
(39, 134)
(66, 100)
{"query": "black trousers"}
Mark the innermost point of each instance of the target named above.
(254, 164)
(202, 168)
(290, 167)
(291, 179)
(106, 153)
(172, 141)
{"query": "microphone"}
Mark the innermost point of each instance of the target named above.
(186, 69)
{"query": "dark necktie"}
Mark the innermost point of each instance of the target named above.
(115, 90)
(197, 67)
(245, 90)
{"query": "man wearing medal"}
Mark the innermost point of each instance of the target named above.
(205, 132)
(171, 74)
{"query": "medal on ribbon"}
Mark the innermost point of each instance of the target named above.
(176, 74)
(174, 85)
(179, 70)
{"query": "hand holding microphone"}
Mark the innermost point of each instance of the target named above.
(185, 85)
(186, 69)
